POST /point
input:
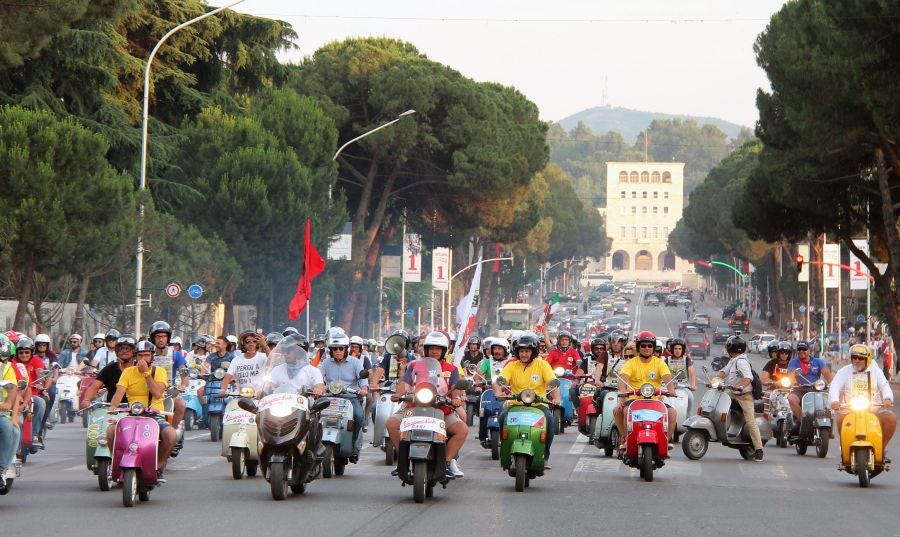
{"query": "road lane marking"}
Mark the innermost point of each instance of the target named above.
(579, 445)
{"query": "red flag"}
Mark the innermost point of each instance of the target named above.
(313, 265)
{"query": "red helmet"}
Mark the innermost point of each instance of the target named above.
(645, 337)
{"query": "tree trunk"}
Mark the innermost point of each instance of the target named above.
(24, 291)
(78, 321)
(228, 323)
(887, 295)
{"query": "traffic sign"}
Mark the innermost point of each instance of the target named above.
(802, 309)
(195, 291)
(409, 312)
(398, 312)
(860, 318)
(173, 290)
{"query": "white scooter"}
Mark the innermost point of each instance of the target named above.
(384, 409)
(682, 402)
(239, 437)
(67, 395)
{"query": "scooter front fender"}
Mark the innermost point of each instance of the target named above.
(702, 423)
(823, 422)
(420, 451)
(130, 460)
(520, 446)
(239, 440)
(647, 436)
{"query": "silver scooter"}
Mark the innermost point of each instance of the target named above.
(682, 402)
(384, 409)
(778, 411)
(815, 419)
(721, 421)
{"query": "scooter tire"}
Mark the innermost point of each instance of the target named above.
(494, 439)
(252, 468)
(694, 444)
(822, 446)
(339, 464)
(470, 414)
(390, 456)
(129, 487)
(420, 469)
(800, 447)
(215, 427)
(327, 463)
(614, 440)
(782, 439)
(104, 474)
(238, 464)
(84, 419)
(278, 484)
(647, 462)
(521, 472)
(558, 420)
(189, 420)
(862, 467)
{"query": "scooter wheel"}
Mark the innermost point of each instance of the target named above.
(327, 463)
(694, 444)
(129, 487)
(862, 467)
(189, 420)
(390, 456)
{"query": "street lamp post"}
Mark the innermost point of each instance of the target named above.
(139, 269)
(544, 271)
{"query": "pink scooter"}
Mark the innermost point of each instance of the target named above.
(135, 453)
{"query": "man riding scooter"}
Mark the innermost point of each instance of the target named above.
(146, 382)
(644, 368)
(811, 370)
(34, 367)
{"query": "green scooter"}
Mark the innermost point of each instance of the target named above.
(98, 454)
(523, 436)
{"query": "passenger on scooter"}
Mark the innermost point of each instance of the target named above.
(739, 375)
(346, 369)
(146, 382)
(272, 339)
(679, 361)
(472, 354)
(72, 356)
(595, 363)
(645, 368)
(109, 376)
(811, 369)
(432, 369)
(106, 354)
(10, 429)
(529, 372)
(246, 368)
(296, 369)
(499, 349)
(51, 363)
(861, 360)
(777, 366)
(565, 355)
(34, 368)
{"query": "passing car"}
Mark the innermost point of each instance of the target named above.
(651, 300)
(721, 333)
(686, 327)
(671, 300)
(620, 306)
(701, 319)
(759, 342)
(739, 321)
(697, 344)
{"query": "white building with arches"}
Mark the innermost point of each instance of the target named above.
(644, 201)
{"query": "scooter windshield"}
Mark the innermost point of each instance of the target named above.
(283, 364)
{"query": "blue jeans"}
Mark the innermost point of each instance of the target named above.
(358, 422)
(40, 407)
(9, 442)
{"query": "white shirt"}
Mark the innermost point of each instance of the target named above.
(737, 370)
(843, 379)
(104, 356)
(308, 376)
(247, 371)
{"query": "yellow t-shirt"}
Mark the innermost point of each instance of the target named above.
(640, 373)
(534, 376)
(136, 385)
(8, 375)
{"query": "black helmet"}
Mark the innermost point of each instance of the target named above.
(785, 346)
(272, 338)
(475, 340)
(676, 341)
(159, 327)
(599, 340)
(288, 330)
(735, 345)
(774, 345)
(527, 341)
(113, 335)
(801, 345)
(618, 336)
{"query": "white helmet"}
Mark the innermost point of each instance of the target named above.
(231, 338)
(358, 340)
(100, 335)
(337, 338)
(436, 339)
(499, 341)
(177, 341)
(42, 338)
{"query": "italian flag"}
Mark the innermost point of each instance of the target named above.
(549, 310)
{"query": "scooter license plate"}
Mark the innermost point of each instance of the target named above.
(525, 419)
(646, 414)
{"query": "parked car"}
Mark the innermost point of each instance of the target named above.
(721, 333)
(697, 344)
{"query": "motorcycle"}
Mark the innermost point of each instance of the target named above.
(240, 444)
(337, 428)
(862, 443)
(719, 420)
(682, 402)
(778, 411)
(647, 427)
(423, 440)
(815, 419)
(384, 409)
(193, 414)
(67, 395)
(214, 406)
(524, 435)
(136, 443)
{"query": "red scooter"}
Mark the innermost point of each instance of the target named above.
(586, 406)
(647, 425)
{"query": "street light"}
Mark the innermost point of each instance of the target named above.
(139, 269)
(544, 271)
(363, 135)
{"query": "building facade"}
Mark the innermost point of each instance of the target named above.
(644, 202)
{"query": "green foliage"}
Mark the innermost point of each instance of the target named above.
(630, 123)
(27, 28)
(700, 148)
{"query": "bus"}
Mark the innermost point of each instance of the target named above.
(512, 318)
(593, 279)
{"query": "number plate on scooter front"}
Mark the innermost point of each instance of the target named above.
(646, 414)
(422, 423)
(525, 419)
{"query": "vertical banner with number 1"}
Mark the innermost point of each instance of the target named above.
(440, 268)
(831, 270)
(859, 275)
(412, 258)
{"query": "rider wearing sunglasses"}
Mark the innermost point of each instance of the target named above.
(646, 367)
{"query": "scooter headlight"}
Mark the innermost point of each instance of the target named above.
(137, 408)
(714, 382)
(819, 385)
(527, 396)
(859, 402)
(647, 390)
(785, 382)
(281, 410)
(335, 388)
(559, 371)
(248, 391)
(425, 396)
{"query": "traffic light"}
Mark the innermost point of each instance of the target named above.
(819, 318)
(799, 260)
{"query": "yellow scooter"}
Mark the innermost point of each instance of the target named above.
(862, 445)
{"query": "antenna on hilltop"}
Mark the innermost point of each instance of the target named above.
(604, 97)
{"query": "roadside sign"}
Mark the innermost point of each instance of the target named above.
(802, 309)
(195, 291)
(860, 318)
(173, 290)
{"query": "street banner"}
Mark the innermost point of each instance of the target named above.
(412, 258)
(466, 312)
(440, 269)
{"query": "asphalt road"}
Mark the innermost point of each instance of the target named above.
(585, 492)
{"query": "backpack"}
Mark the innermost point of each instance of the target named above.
(755, 383)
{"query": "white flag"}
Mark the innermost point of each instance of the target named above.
(466, 312)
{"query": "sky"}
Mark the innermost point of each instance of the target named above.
(675, 56)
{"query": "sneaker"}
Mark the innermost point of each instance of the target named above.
(454, 467)
(758, 456)
(159, 477)
(395, 472)
(448, 472)
(37, 442)
(547, 466)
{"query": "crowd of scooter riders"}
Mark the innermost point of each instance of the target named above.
(119, 368)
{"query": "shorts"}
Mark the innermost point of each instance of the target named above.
(161, 421)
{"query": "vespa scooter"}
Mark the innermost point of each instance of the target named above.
(647, 427)
(862, 443)
(524, 435)
(815, 419)
(239, 436)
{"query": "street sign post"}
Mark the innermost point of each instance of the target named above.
(195, 291)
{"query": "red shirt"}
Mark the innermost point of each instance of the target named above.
(34, 367)
(567, 360)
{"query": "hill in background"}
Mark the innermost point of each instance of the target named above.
(630, 123)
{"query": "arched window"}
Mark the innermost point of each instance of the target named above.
(634, 177)
(654, 177)
(645, 177)
(667, 177)
(623, 177)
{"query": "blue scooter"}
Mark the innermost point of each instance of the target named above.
(193, 414)
(214, 406)
(564, 414)
(489, 411)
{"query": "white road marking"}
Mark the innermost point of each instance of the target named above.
(579, 445)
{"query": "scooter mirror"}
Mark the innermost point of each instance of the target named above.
(320, 405)
(22, 384)
(245, 403)
(364, 374)
(553, 383)
(501, 381)
(462, 384)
